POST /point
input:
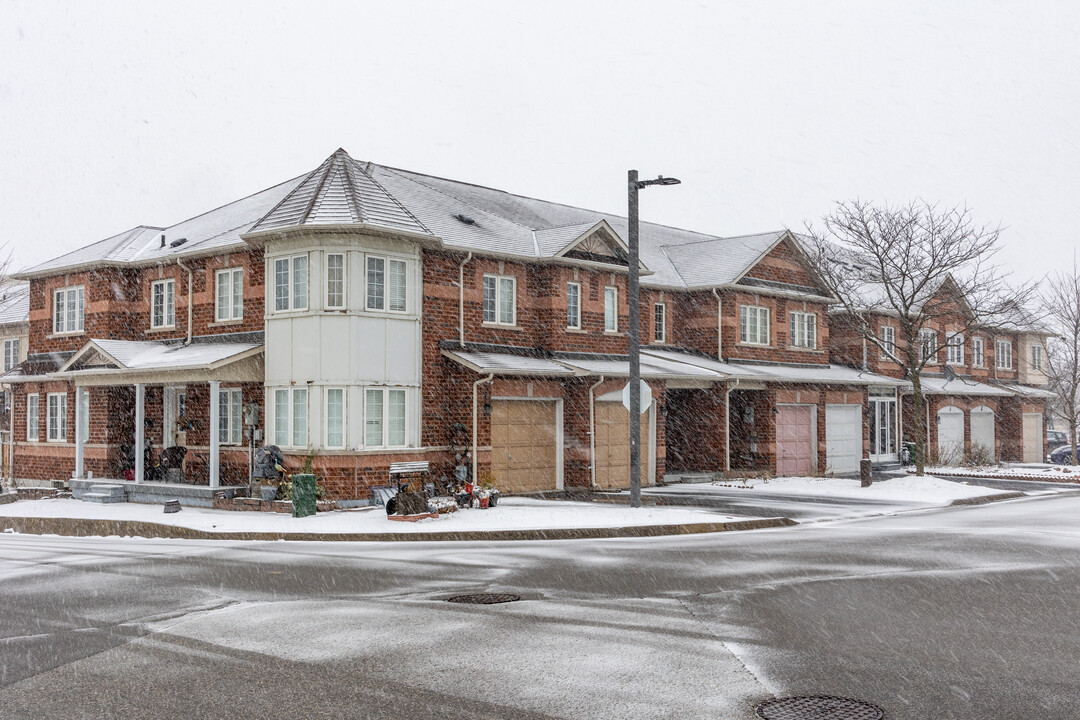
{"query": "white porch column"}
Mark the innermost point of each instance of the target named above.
(80, 441)
(215, 389)
(140, 431)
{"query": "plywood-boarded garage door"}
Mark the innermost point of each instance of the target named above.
(1033, 437)
(950, 435)
(524, 447)
(843, 437)
(794, 445)
(613, 445)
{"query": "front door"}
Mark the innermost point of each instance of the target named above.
(1033, 438)
(175, 416)
(883, 428)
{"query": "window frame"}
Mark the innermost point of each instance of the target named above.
(291, 392)
(951, 346)
(384, 295)
(928, 347)
(978, 351)
(168, 301)
(233, 416)
(12, 348)
(660, 323)
(500, 280)
(235, 277)
(384, 419)
(344, 417)
(744, 325)
(327, 304)
(61, 425)
(808, 333)
(888, 350)
(1037, 354)
(35, 427)
(59, 318)
(573, 321)
(291, 284)
(611, 322)
(999, 355)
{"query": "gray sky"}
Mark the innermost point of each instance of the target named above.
(118, 114)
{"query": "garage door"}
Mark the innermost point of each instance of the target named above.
(1033, 437)
(950, 435)
(982, 433)
(524, 449)
(613, 445)
(843, 437)
(794, 447)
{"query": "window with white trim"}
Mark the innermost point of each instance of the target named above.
(978, 353)
(386, 284)
(804, 330)
(11, 353)
(229, 294)
(888, 342)
(335, 281)
(611, 309)
(573, 305)
(1003, 354)
(954, 349)
(291, 417)
(291, 283)
(659, 322)
(500, 299)
(927, 346)
(753, 325)
(230, 416)
(68, 304)
(32, 410)
(56, 417)
(335, 418)
(1037, 358)
(384, 417)
(163, 304)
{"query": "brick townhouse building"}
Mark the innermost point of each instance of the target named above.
(375, 315)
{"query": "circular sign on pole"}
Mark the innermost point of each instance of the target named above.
(646, 395)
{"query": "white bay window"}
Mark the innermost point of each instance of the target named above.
(384, 417)
(291, 417)
(291, 283)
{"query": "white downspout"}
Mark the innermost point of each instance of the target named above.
(727, 425)
(475, 387)
(719, 327)
(461, 326)
(592, 433)
(190, 275)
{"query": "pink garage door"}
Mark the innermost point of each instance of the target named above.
(794, 447)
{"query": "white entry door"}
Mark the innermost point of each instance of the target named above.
(950, 435)
(843, 438)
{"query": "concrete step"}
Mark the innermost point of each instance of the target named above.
(117, 490)
(104, 497)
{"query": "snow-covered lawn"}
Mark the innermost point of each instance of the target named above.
(510, 514)
(927, 489)
(1028, 471)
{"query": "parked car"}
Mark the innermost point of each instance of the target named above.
(1062, 455)
(1056, 438)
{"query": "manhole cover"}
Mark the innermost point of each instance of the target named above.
(818, 707)
(484, 598)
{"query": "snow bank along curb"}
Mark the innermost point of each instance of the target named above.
(8, 497)
(1043, 477)
(84, 527)
(983, 499)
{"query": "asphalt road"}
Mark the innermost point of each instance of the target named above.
(966, 612)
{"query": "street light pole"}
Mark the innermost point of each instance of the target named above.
(633, 185)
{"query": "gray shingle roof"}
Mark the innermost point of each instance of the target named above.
(15, 304)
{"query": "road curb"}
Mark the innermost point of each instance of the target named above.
(983, 499)
(986, 476)
(83, 527)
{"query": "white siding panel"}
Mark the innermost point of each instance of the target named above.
(278, 358)
(334, 362)
(305, 348)
(369, 349)
(401, 351)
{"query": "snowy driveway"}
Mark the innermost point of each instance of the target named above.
(959, 613)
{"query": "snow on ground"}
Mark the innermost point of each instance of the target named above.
(510, 514)
(927, 489)
(1028, 471)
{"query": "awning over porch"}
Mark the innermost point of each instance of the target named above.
(121, 362)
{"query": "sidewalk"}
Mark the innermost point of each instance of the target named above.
(512, 519)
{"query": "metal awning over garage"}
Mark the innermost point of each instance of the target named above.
(959, 386)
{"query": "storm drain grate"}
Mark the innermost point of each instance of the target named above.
(818, 707)
(484, 598)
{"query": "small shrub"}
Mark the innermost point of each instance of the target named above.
(980, 456)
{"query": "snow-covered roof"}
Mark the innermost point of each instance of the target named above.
(1026, 391)
(960, 386)
(15, 304)
(99, 355)
(506, 363)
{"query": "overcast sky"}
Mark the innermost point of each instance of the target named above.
(119, 114)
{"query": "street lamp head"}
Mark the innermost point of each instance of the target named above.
(661, 180)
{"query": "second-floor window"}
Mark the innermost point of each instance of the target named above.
(32, 409)
(1003, 354)
(291, 283)
(500, 299)
(384, 417)
(230, 416)
(163, 304)
(11, 353)
(611, 309)
(1037, 358)
(954, 349)
(927, 346)
(803, 330)
(754, 325)
(978, 352)
(229, 286)
(386, 279)
(56, 417)
(290, 417)
(68, 310)
(573, 306)
(659, 322)
(335, 281)
(888, 342)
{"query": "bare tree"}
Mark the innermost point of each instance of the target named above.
(1061, 310)
(922, 266)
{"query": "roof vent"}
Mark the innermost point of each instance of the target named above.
(162, 240)
(177, 243)
(465, 219)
